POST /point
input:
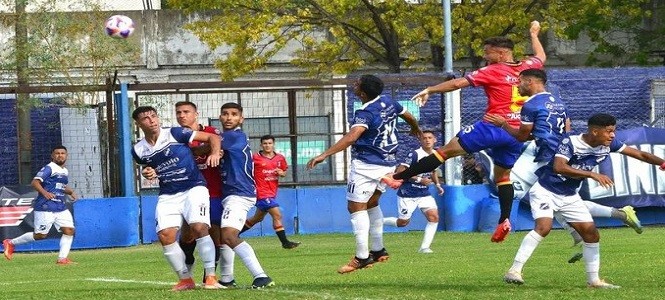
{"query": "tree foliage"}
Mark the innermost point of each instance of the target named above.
(340, 36)
(65, 48)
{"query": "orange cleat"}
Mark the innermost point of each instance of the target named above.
(184, 284)
(501, 232)
(9, 249)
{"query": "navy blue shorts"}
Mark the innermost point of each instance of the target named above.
(482, 135)
(216, 209)
(265, 204)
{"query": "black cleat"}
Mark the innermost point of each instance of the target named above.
(379, 256)
(355, 264)
(290, 245)
(230, 284)
(262, 282)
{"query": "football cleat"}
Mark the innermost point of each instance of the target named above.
(262, 282)
(64, 261)
(501, 232)
(575, 258)
(425, 250)
(513, 277)
(9, 249)
(290, 245)
(184, 284)
(601, 284)
(355, 264)
(631, 219)
(379, 256)
(230, 284)
(211, 283)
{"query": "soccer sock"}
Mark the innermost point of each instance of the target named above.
(591, 252)
(391, 221)
(529, 244)
(598, 210)
(425, 165)
(619, 214)
(281, 234)
(248, 257)
(24, 238)
(218, 252)
(207, 254)
(227, 263)
(65, 245)
(577, 238)
(430, 230)
(176, 259)
(506, 195)
(188, 249)
(360, 225)
(375, 228)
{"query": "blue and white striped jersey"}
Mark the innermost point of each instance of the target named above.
(378, 144)
(172, 160)
(411, 189)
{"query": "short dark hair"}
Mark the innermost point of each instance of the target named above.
(602, 120)
(371, 85)
(59, 147)
(428, 131)
(181, 103)
(537, 73)
(267, 137)
(142, 109)
(231, 105)
(500, 42)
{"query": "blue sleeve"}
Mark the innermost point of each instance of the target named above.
(565, 148)
(399, 108)
(182, 134)
(362, 117)
(44, 173)
(137, 159)
(410, 159)
(616, 146)
(529, 112)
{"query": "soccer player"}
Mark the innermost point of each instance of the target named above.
(182, 191)
(415, 194)
(49, 207)
(373, 138)
(239, 196)
(268, 167)
(499, 79)
(545, 119)
(556, 191)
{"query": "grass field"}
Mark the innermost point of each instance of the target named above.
(464, 266)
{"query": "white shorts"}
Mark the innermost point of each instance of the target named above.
(235, 210)
(45, 219)
(364, 179)
(193, 205)
(544, 203)
(406, 206)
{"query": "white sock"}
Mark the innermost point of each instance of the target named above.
(206, 248)
(176, 259)
(227, 258)
(24, 239)
(577, 238)
(591, 252)
(529, 244)
(360, 224)
(375, 228)
(430, 230)
(65, 245)
(598, 210)
(248, 257)
(391, 221)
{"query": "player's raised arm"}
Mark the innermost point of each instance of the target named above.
(644, 156)
(411, 120)
(343, 143)
(446, 86)
(536, 46)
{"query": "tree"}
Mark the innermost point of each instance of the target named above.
(64, 48)
(340, 36)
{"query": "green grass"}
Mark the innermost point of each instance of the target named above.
(464, 266)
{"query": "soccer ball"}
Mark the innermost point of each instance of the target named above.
(119, 26)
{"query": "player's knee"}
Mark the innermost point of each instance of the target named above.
(591, 235)
(542, 230)
(403, 222)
